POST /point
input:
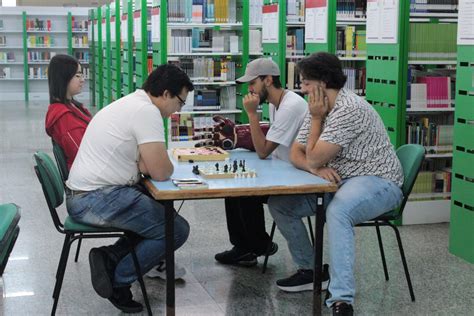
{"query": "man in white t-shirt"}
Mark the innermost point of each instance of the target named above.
(124, 139)
(245, 217)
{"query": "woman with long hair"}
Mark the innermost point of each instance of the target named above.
(66, 119)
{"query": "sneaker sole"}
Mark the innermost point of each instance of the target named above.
(99, 274)
(304, 287)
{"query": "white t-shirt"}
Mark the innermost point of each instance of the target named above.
(285, 122)
(108, 154)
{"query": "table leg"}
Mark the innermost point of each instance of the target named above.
(169, 256)
(318, 253)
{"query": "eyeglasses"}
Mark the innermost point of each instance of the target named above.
(181, 101)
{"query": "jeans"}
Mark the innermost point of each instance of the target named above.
(126, 207)
(358, 199)
(246, 223)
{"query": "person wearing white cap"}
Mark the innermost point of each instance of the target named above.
(245, 217)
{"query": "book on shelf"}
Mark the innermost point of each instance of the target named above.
(355, 78)
(427, 131)
(5, 73)
(295, 11)
(40, 56)
(38, 25)
(295, 42)
(3, 40)
(7, 57)
(79, 26)
(433, 6)
(202, 11)
(351, 42)
(351, 9)
(432, 41)
(255, 38)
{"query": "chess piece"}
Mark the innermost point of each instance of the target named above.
(217, 166)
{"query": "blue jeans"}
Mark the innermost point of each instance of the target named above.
(126, 207)
(358, 199)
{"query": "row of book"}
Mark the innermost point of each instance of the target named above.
(433, 182)
(79, 26)
(80, 41)
(5, 72)
(351, 9)
(295, 42)
(7, 56)
(204, 99)
(3, 40)
(350, 42)
(430, 92)
(203, 11)
(295, 10)
(202, 40)
(432, 41)
(82, 56)
(38, 25)
(207, 69)
(438, 6)
(40, 41)
(182, 127)
(37, 73)
(355, 79)
(425, 132)
(40, 56)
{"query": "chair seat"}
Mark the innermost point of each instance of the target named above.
(72, 226)
(389, 216)
(9, 217)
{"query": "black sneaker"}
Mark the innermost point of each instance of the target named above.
(273, 250)
(342, 309)
(303, 281)
(102, 271)
(122, 298)
(237, 256)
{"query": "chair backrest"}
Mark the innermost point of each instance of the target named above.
(60, 161)
(411, 156)
(51, 183)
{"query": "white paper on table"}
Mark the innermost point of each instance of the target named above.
(270, 23)
(466, 23)
(316, 28)
(137, 26)
(155, 25)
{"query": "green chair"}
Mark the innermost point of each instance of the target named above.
(53, 189)
(411, 156)
(60, 161)
(9, 230)
(60, 158)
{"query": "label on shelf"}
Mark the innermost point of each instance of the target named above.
(137, 26)
(155, 25)
(316, 22)
(466, 22)
(112, 29)
(270, 23)
(124, 29)
(382, 21)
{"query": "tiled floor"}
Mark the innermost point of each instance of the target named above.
(443, 283)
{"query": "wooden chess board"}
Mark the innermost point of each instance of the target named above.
(208, 153)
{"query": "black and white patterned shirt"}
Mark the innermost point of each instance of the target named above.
(366, 149)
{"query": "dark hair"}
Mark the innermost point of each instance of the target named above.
(167, 77)
(324, 67)
(276, 81)
(61, 69)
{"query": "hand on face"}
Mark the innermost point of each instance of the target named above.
(251, 102)
(318, 102)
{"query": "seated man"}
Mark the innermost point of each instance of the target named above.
(342, 140)
(245, 217)
(123, 139)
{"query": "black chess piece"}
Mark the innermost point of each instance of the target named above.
(235, 167)
(226, 168)
(196, 169)
(217, 166)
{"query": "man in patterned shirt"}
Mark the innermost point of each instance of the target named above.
(342, 140)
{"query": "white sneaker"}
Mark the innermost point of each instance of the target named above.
(160, 271)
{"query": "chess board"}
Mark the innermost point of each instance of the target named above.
(208, 153)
